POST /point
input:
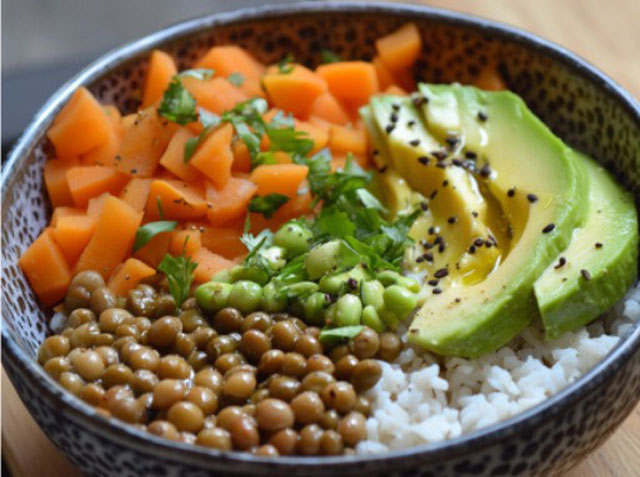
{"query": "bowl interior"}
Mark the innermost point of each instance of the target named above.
(573, 100)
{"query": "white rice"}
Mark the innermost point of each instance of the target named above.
(422, 398)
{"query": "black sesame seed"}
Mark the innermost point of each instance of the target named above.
(478, 242)
(511, 192)
(452, 219)
(482, 116)
(411, 123)
(438, 240)
(423, 160)
(474, 213)
(561, 262)
(470, 155)
(433, 194)
(564, 279)
(437, 291)
(457, 300)
(488, 244)
(414, 142)
(431, 230)
(389, 128)
(420, 259)
(456, 162)
(485, 171)
(452, 141)
(428, 257)
(445, 183)
(598, 245)
(375, 152)
(433, 283)
(585, 274)
(395, 106)
(532, 198)
(441, 248)
(393, 118)
(548, 228)
(441, 273)
(441, 164)
(472, 249)
(424, 206)
(426, 245)
(383, 169)
(440, 155)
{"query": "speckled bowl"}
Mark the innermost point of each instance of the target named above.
(578, 102)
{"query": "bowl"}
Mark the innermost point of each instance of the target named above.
(581, 105)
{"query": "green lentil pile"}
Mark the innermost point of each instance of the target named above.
(231, 378)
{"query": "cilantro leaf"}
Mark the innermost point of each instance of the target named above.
(284, 65)
(370, 201)
(178, 105)
(209, 121)
(267, 205)
(329, 56)
(197, 73)
(145, 233)
(255, 242)
(296, 143)
(246, 118)
(179, 272)
(344, 333)
(236, 79)
(332, 222)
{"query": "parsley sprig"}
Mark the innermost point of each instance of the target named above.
(179, 271)
(178, 105)
(267, 205)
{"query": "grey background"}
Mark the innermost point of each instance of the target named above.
(45, 42)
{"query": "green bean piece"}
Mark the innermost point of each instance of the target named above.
(294, 238)
(314, 308)
(322, 259)
(399, 300)
(213, 296)
(372, 294)
(348, 310)
(245, 296)
(272, 301)
(371, 318)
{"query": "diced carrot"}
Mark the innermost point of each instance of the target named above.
(354, 81)
(320, 122)
(343, 140)
(230, 59)
(143, 143)
(63, 211)
(105, 154)
(241, 157)
(55, 179)
(159, 73)
(224, 241)
(340, 160)
(213, 157)
(279, 178)
(154, 250)
(395, 90)
(230, 201)
(72, 233)
(295, 91)
(86, 182)
(46, 269)
(385, 76)
(127, 276)
(216, 95)
(318, 134)
(111, 242)
(295, 207)
(173, 157)
(490, 80)
(136, 193)
(95, 205)
(327, 107)
(401, 48)
(179, 200)
(80, 126)
(281, 157)
(209, 264)
(185, 241)
(128, 121)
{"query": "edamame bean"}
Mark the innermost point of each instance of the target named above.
(409, 283)
(390, 319)
(388, 277)
(371, 294)
(272, 302)
(245, 296)
(314, 308)
(371, 319)
(294, 238)
(348, 310)
(348, 281)
(223, 276)
(330, 315)
(301, 289)
(253, 274)
(322, 259)
(399, 300)
(213, 296)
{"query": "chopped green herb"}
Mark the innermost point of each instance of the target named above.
(197, 73)
(145, 233)
(178, 105)
(267, 205)
(236, 79)
(329, 56)
(285, 66)
(344, 333)
(179, 272)
(209, 121)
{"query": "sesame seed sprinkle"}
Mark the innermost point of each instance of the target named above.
(585, 274)
(561, 262)
(511, 192)
(532, 198)
(548, 228)
(441, 273)
(598, 245)
(437, 291)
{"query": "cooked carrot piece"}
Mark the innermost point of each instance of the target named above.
(127, 276)
(63, 211)
(279, 178)
(295, 207)
(241, 157)
(295, 91)
(395, 90)
(46, 269)
(128, 121)
(401, 48)
(55, 179)
(318, 134)
(213, 157)
(111, 242)
(72, 233)
(86, 182)
(143, 143)
(224, 241)
(179, 200)
(159, 73)
(490, 80)
(327, 107)
(209, 264)
(105, 154)
(216, 95)
(173, 157)
(354, 81)
(230, 201)
(343, 140)
(81, 125)
(136, 193)
(154, 250)
(95, 205)
(230, 59)
(385, 76)
(281, 157)
(185, 241)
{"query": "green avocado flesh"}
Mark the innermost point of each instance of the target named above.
(515, 158)
(599, 264)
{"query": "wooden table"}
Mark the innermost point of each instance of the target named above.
(604, 33)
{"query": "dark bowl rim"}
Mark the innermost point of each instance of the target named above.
(84, 415)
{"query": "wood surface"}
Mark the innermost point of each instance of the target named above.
(604, 33)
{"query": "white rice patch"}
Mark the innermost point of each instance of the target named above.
(422, 398)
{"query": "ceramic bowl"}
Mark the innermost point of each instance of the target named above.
(583, 106)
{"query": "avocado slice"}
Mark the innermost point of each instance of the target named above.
(600, 263)
(526, 158)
